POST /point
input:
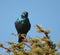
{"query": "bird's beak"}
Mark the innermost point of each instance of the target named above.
(23, 14)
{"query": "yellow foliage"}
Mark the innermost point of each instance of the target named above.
(38, 46)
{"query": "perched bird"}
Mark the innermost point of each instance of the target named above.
(22, 25)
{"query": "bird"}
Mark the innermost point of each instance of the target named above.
(22, 25)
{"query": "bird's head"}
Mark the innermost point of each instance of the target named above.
(25, 14)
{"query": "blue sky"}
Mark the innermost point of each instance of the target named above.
(44, 12)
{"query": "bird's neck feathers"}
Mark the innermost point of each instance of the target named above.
(21, 19)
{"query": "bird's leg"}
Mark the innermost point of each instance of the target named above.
(21, 35)
(24, 37)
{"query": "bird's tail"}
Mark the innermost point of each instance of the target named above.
(20, 39)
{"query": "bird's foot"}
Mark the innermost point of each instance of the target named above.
(22, 35)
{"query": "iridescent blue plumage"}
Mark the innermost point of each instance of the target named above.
(20, 19)
(22, 25)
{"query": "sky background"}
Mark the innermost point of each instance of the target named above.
(44, 12)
